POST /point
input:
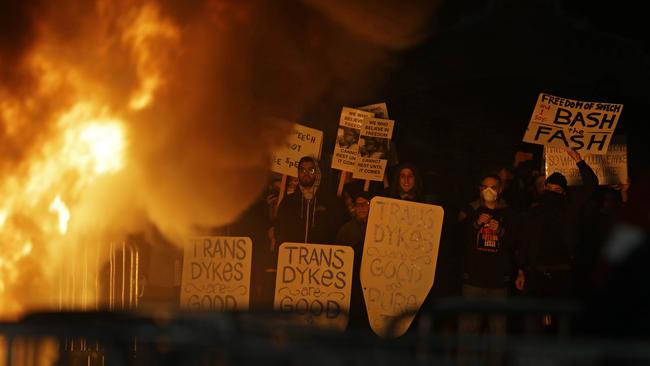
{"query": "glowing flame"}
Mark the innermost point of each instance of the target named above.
(148, 27)
(60, 208)
(76, 128)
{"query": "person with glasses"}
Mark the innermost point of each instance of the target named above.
(311, 214)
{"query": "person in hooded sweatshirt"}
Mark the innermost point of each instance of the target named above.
(548, 237)
(310, 214)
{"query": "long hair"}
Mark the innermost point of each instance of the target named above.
(395, 190)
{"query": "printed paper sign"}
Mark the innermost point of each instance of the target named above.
(304, 141)
(380, 110)
(314, 282)
(346, 148)
(216, 273)
(610, 168)
(399, 261)
(584, 126)
(373, 149)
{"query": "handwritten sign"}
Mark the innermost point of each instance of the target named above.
(610, 168)
(584, 126)
(399, 261)
(346, 148)
(373, 149)
(303, 141)
(314, 282)
(216, 273)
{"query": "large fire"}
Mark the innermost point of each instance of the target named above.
(119, 115)
(85, 142)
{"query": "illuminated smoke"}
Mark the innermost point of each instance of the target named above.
(115, 114)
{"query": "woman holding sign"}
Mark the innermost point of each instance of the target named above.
(407, 184)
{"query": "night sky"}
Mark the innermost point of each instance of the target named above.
(463, 98)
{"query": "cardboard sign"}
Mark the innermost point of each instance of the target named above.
(303, 141)
(314, 282)
(374, 148)
(399, 261)
(346, 147)
(610, 168)
(216, 273)
(584, 126)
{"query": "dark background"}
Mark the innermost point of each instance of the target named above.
(462, 99)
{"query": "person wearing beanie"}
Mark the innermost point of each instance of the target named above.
(548, 237)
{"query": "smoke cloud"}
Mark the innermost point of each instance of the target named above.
(203, 89)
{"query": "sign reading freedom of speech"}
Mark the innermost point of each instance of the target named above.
(216, 273)
(304, 141)
(574, 124)
(610, 168)
(346, 147)
(399, 261)
(314, 282)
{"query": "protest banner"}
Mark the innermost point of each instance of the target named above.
(303, 141)
(314, 283)
(583, 126)
(374, 145)
(216, 273)
(610, 168)
(399, 261)
(346, 147)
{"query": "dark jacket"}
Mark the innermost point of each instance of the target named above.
(315, 221)
(550, 232)
(353, 234)
(488, 255)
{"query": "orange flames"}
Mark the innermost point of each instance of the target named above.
(124, 114)
(84, 140)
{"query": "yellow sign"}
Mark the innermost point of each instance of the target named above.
(399, 261)
(314, 282)
(216, 273)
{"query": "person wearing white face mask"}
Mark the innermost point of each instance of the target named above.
(488, 256)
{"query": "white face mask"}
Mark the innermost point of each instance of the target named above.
(489, 194)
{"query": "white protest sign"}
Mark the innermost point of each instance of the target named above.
(216, 273)
(584, 126)
(399, 261)
(314, 282)
(346, 147)
(303, 141)
(374, 146)
(380, 110)
(610, 168)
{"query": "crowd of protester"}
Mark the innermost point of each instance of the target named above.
(524, 234)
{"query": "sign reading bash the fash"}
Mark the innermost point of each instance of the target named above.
(216, 273)
(373, 149)
(399, 261)
(304, 141)
(314, 282)
(610, 168)
(346, 147)
(574, 124)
